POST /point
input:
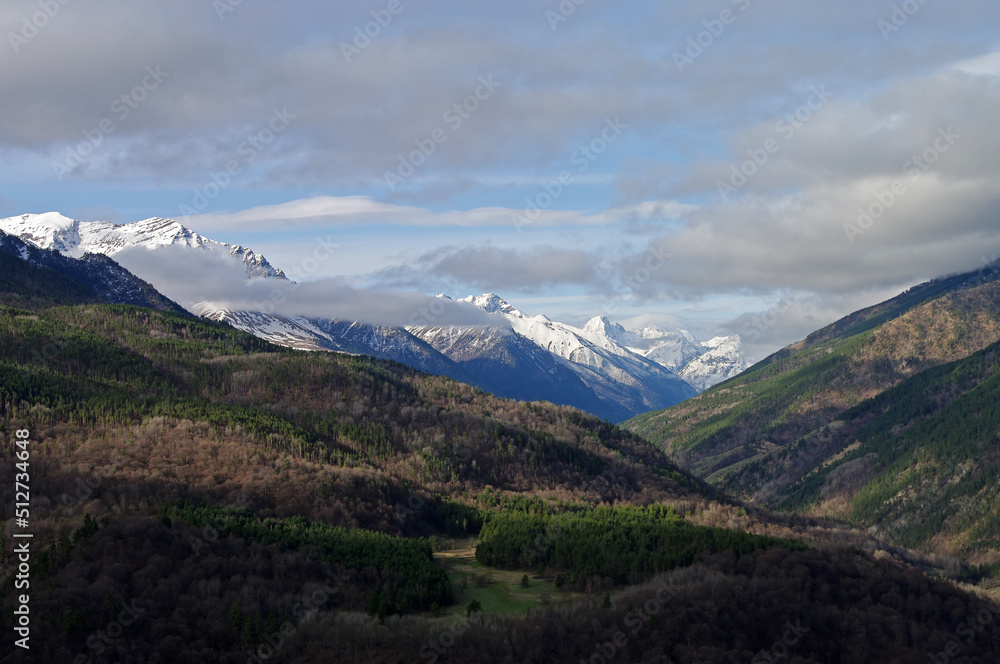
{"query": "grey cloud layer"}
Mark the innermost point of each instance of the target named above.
(355, 118)
(871, 193)
(189, 277)
(486, 267)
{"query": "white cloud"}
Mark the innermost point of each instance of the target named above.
(190, 277)
(984, 65)
(363, 210)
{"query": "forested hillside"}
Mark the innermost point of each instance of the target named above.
(32, 277)
(924, 467)
(887, 419)
(225, 495)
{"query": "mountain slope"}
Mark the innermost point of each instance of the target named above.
(623, 382)
(924, 464)
(795, 429)
(507, 364)
(304, 333)
(31, 276)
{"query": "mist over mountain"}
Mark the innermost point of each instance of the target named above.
(484, 340)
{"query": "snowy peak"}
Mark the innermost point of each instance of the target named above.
(102, 237)
(256, 265)
(652, 332)
(626, 355)
(722, 359)
(600, 326)
(656, 333)
(716, 342)
(701, 364)
(151, 233)
(50, 230)
(673, 350)
(75, 238)
(492, 303)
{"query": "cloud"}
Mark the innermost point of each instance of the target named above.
(791, 316)
(356, 118)
(984, 65)
(325, 211)
(844, 140)
(766, 243)
(216, 279)
(653, 192)
(873, 193)
(485, 267)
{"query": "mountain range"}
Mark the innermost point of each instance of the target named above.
(70, 237)
(601, 368)
(521, 357)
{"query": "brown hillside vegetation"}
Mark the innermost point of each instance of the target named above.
(212, 484)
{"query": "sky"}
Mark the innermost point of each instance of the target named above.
(737, 166)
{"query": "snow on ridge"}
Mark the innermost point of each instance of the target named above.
(607, 345)
(49, 230)
(493, 303)
(52, 230)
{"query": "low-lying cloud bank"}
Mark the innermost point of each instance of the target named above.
(220, 281)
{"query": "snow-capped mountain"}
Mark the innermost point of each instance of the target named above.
(722, 360)
(319, 334)
(496, 360)
(702, 364)
(553, 361)
(601, 367)
(70, 237)
(589, 349)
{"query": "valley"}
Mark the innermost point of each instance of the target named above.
(197, 471)
(499, 333)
